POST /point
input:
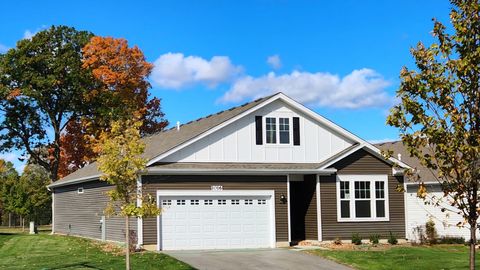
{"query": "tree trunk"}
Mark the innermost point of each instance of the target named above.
(22, 220)
(9, 220)
(473, 243)
(127, 242)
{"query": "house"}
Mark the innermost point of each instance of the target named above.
(264, 174)
(420, 211)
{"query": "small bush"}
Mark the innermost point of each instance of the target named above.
(356, 239)
(431, 232)
(392, 239)
(451, 240)
(374, 239)
(337, 241)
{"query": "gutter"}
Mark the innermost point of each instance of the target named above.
(73, 181)
(154, 171)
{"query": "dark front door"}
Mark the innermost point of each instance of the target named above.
(303, 209)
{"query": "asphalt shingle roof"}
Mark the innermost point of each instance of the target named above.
(164, 141)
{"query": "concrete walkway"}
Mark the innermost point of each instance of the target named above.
(278, 259)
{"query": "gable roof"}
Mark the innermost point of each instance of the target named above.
(161, 142)
(169, 141)
(426, 174)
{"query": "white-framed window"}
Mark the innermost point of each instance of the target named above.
(235, 202)
(271, 129)
(208, 202)
(180, 202)
(284, 130)
(80, 190)
(277, 130)
(194, 202)
(222, 202)
(362, 198)
(166, 202)
(248, 201)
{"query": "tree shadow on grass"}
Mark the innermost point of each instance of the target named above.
(85, 265)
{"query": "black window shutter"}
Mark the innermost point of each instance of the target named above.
(258, 129)
(296, 131)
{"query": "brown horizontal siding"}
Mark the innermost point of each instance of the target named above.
(311, 225)
(361, 162)
(152, 183)
(80, 214)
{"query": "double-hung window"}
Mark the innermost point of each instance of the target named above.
(362, 198)
(280, 134)
(271, 129)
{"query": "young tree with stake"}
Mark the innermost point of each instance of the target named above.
(120, 149)
(439, 111)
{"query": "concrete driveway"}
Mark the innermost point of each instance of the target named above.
(277, 259)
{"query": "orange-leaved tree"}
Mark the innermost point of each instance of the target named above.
(122, 88)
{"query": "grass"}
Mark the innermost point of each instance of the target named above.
(44, 251)
(418, 257)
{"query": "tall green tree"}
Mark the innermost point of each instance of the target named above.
(33, 182)
(42, 85)
(439, 110)
(9, 179)
(120, 162)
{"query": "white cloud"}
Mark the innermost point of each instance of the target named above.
(14, 158)
(3, 48)
(28, 34)
(360, 88)
(274, 61)
(174, 70)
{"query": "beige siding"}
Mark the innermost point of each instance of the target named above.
(361, 162)
(152, 183)
(80, 214)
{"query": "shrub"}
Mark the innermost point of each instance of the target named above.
(392, 239)
(374, 239)
(451, 240)
(337, 241)
(420, 233)
(431, 232)
(356, 239)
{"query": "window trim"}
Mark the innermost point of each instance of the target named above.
(80, 190)
(372, 179)
(277, 130)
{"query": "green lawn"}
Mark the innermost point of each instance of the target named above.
(44, 251)
(435, 257)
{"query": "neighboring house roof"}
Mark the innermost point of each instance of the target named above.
(166, 142)
(426, 174)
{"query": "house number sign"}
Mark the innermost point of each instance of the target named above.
(216, 188)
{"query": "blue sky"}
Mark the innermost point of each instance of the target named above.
(340, 58)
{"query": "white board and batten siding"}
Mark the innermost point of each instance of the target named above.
(236, 142)
(419, 213)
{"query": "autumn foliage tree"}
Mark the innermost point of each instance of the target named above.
(122, 88)
(120, 148)
(439, 111)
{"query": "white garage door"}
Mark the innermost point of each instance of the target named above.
(216, 220)
(419, 213)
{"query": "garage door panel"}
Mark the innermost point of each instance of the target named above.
(211, 222)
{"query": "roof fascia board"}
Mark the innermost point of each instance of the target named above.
(212, 130)
(155, 171)
(73, 181)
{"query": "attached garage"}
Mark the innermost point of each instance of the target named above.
(419, 213)
(216, 220)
